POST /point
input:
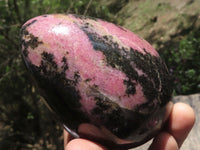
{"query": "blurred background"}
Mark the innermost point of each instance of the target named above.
(171, 26)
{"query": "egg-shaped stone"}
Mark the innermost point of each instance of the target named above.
(103, 82)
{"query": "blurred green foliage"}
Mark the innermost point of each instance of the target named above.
(25, 123)
(183, 62)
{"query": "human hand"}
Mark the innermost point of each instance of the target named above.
(180, 122)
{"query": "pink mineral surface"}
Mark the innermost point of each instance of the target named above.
(103, 75)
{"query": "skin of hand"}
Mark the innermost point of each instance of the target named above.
(178, 126)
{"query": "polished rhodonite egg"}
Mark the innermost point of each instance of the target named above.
(104, 82)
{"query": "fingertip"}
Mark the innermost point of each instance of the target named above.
(83, 144)
(181, 121)
(164, 141)
(184, 112)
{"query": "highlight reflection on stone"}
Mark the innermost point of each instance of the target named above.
(104, 82)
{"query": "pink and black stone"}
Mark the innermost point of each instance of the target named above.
(104, 82)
